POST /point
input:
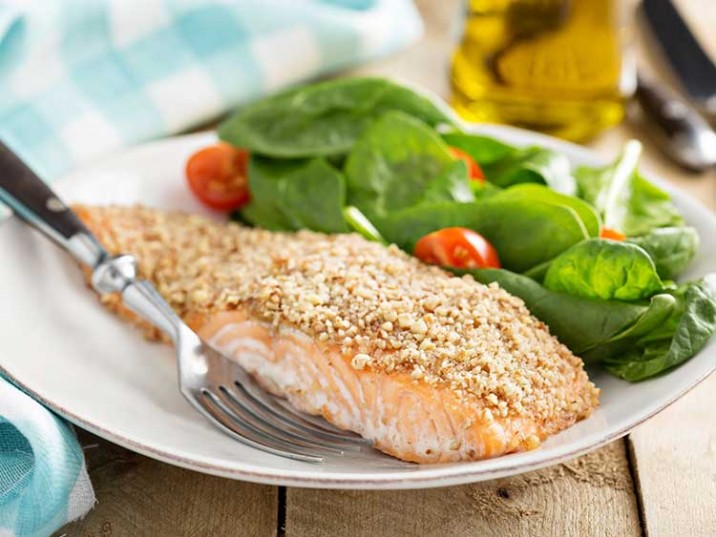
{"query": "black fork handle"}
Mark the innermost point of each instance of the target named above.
(36, 204)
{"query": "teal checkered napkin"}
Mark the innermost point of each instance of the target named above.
(79, 78)
(43, 479)
(84, 77)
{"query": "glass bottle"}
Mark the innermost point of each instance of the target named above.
(563, 67)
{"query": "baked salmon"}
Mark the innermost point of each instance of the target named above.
(429, 366)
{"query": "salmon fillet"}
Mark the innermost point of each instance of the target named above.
(429, 366)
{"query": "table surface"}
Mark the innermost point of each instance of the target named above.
(659, 481)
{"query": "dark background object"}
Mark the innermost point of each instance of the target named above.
(676, 127)
(695, 70)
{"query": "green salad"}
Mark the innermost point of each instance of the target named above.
(593, 252)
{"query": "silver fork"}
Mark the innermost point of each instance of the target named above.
(215, 386)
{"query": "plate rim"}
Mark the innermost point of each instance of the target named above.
(433, 475)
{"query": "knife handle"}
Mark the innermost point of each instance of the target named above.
(682, 132)
(35, 203)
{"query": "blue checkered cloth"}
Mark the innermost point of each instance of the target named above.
(84, 77)
(80, 78)
(43, 478)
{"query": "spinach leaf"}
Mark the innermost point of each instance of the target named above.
(524, 233)
(266, 179)
(484, 190)
(506, 165)
(661, 309)
(400, 162)
(609, 189)
(360, 224)
(626, 201)
(452, 184)
(483, 149)
(635, 341)
(533, 165)
(322, 119)
(538, 272)
(649, 208)
(598, 268)
(671, 248)
(684, 336)
(587, 213)
(291, 195)
(580, 323)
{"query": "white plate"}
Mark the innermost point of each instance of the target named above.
(61, 346)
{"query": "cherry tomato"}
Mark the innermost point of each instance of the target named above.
(473, 168)
(613, 234)
(457, 247)
(217, 176)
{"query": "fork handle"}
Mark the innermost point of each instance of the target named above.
(35, 203)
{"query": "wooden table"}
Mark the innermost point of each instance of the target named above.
(659, 481)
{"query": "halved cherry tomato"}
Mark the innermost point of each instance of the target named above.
(217, 175)
(473, 168)
(457, 247)
(613, 234)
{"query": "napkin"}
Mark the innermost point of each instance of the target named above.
(84, 77)
(80, 78)
(43, 479)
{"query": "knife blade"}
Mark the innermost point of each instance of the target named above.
(694, 69)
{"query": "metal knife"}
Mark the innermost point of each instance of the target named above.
(677, 127)
(695, 70)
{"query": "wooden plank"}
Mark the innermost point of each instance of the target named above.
(140, 496)
(590, 496)
(674, 455)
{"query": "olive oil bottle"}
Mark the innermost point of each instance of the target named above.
(563, 67)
